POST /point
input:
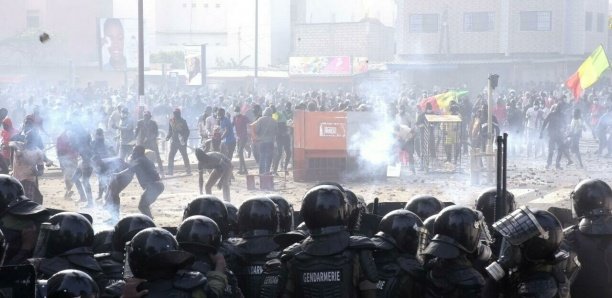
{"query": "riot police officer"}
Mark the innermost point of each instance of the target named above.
(354, 213)
(112, 263)
(19, 220)
(449, 271)
(529, 250)
(71, 283)
(161, 269)
(285, 213)
(487, 205)
(591, 239)
(424, 206)
(103, 242)
(330, 262)
(65, 243)
(397, 244)
(232, 219)
(258, 223)
(201, 236)
(212, 207)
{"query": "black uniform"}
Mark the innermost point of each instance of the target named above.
(65, 243)
(201, 236)
(591, 240)
(257, 222)
(450, 273)
(154, 255)
(331, 262)
(113, 262)
(400, 273)
(526, 266)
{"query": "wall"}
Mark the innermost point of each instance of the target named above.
(363, 39)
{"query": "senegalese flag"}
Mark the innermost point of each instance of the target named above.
(589, 72)
(442, 101)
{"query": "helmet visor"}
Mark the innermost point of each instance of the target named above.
(520, 226)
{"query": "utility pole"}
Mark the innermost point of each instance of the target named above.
(140, 53)
(256, 44)
(239, 42)
(492, 84)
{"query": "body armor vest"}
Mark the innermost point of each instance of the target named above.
(253, 254)
(453, 278)
(595, 255)
(186, 284)
(325, 276)
(539, 281)
(79, 258)
(394, 271)
(231, 289)
(272, 281)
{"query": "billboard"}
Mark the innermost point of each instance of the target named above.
(360, 65)
(320, 66)
(193, 62)
(119, 44)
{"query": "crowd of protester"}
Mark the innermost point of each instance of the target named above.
(334, 246)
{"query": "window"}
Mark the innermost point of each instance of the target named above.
(33, 19)
(536, 20)
(588, 21)
(478, 21)
(601, 22)
(423, 23)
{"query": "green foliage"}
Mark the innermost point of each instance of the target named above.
(176, 59)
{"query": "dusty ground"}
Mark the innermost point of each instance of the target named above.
(527, 178)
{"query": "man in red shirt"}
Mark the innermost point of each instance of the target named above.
(241, 123)
(8, 131)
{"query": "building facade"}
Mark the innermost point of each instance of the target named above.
(367, 38)
(523, 40)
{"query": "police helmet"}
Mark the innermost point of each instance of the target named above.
(199, 233)
(103, 241)
(403, 229)
(127, 227)
(63, 232)
(486, 204)
(232, 219)
(324, 209)
(258, 216)
(72, 283)
(211, 207)
(153, 253)
(543, 246)
(458, 230)
(592, 197)
(424, 206)
(285, 213)
(13, 199)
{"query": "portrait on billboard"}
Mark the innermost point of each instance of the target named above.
(193, 62)
(118, 44)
